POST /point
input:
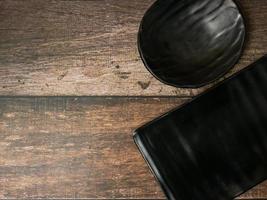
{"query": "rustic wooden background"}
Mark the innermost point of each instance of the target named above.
(73, 89)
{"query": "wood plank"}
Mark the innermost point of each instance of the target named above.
(67, 147)
(89, 48)
(75, 147)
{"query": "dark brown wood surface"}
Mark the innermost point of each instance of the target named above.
(77, 47)
(78, 147)
(82, 147)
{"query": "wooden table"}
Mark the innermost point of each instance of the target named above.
(73, 89)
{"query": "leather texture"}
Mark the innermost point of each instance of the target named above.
(189, 43)
(215, 146)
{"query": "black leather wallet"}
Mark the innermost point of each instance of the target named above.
(215, 146)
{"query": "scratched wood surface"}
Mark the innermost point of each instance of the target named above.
(69, 147)
(53, 47)
(82, 147)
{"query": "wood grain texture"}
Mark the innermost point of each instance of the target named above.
(78, 148)
(81, 147)
(81, 47)
(75, 147)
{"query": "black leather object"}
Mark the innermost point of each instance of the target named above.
(214, 147)
(189, 43)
